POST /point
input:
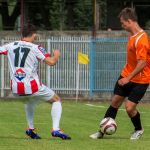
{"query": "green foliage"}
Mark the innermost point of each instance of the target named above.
(75, 15)
(57, 14)
(147, 25)
(60, 14)
(103, 11)
(83, 17)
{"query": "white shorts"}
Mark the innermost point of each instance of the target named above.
(43, 94)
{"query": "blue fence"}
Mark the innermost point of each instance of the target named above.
(108, 56)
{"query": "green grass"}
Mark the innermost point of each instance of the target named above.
(78, 120)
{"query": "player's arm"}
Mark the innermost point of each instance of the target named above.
(139, 67)
(49, 59)
(53, 59)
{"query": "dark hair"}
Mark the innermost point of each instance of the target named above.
(128, 13)
(28, 30)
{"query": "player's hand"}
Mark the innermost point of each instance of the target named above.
(123, 81)
(56, 53)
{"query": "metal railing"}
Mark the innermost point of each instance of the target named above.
(107, 57)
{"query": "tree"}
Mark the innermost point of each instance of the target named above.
(83, 15)
(57, 14)
(102, 13)
(38, 13)
(35, 11)
(69, 5)
(53, 14)
(8, 20)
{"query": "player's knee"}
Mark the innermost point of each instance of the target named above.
(116, 101)
(55, 98)
(130, 111)
(115, 104)
(130, 108)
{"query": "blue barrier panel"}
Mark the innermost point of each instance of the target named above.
(108, 56)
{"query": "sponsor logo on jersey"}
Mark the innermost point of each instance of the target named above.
(15, 43)
(42, 49)
(20, 74)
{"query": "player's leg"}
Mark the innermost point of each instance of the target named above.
(30, 104)
(116, 102)
(111, 112)
(135, 119)
(48, 95)
(113, 108)
(135, 96)
(29, 109)
(119, 95)
(56, 112)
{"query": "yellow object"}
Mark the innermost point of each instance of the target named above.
(83, 58)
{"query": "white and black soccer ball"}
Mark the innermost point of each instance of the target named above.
(108, 126)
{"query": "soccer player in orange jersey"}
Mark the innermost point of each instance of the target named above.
(135, 76)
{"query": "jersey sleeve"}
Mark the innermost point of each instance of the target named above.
(41, 53)
(142, 47)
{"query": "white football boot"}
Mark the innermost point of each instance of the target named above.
(136, 134)
(97, 135)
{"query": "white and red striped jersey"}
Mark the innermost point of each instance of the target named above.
(23, 60)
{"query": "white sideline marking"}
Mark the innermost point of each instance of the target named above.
(91, 105)
(19, 123)
(95, 105)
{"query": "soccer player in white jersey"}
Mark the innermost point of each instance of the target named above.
(23, 57)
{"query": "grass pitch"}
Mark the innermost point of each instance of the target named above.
(79, 120)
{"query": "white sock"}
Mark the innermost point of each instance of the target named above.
(29, 108)
(56, 114)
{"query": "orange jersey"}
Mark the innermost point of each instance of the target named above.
(138, 48)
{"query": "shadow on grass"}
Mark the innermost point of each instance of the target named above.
(29, 139)
(13, 137)
(107, 137)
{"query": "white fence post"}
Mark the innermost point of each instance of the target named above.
(47, 67)
(2, 73)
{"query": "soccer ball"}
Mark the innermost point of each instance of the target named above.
(108, 126)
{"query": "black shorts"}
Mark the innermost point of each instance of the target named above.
(134, 91)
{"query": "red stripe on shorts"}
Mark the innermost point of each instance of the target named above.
(20, 88)
(34, 86)
(11, 85)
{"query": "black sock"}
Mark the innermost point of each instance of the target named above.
(137, 121)
(111, 112)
